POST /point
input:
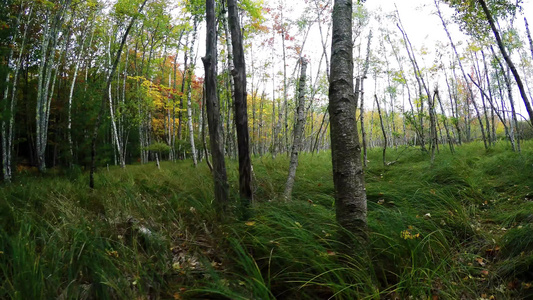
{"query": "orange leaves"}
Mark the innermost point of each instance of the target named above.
(480, 261)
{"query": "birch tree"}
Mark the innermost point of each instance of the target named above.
(54, 18)
(299, 126)
(348, 178)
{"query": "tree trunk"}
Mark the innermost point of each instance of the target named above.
(213, 109)
(470, 92)
(382, 131)
(360, 94)
(508, 60)
(8, 126)
(46, 66)
(105, 95)
(298, 131)
(189, 104)
(529, 37)
(348, 178)
(241, 112)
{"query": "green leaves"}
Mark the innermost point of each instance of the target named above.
(473, 21)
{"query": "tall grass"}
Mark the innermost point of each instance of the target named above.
(459, 228)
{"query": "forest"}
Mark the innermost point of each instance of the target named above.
(251, 149)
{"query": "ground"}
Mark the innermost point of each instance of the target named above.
(459, 229)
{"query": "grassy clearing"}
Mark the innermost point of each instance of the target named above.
(461, 228)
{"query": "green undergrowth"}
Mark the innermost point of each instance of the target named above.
(458, 229)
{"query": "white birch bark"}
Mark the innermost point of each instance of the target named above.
(7, 126)
(298, 131)
(189, 104)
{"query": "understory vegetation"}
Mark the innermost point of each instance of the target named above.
(461, 228)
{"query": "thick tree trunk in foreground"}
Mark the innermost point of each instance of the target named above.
(298, 131)
(241, 112)
(213, 109)
(348, 178)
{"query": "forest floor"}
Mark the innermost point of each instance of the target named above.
(461, 228)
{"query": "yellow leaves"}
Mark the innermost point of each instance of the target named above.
(408, 234)
(486, 297)
(176, 266)
(250, 223)
(112, 253)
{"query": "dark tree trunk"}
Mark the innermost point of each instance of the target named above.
(241, 112)
(508, 60)
(348, 178)
(382, 131)
(213, 109)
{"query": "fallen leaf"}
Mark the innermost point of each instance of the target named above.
(484, 273)
(250, 223)
(480, 261)
(331, 253)
(512, 285)
(176, 266)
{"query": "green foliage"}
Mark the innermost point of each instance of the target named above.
(434, 231)
(472, 19)
(158, 147)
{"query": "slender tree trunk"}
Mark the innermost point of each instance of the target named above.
(433, 122)
(44, 94)
(348, 178)
(8, 127)
(285, 96)
(529, 37)
(213, 109)
(298, 131)
(382, 131)
(421, 86)
(105, 95)
(471, 93)
(241, 111)
(189, 104)
(360, 93)
(445, 123)
(508, 60)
